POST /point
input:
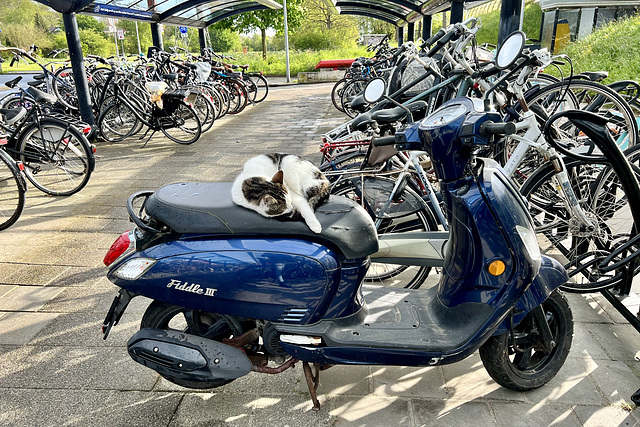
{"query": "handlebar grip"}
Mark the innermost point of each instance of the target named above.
(489, 128)
(383, 141)
(558, 62)
(434, 38)
(443, 40)
(13, 61)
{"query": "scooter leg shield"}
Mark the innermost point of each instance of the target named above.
(550, 277)
(187, 357)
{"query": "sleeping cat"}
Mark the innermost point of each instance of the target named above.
(282, 185)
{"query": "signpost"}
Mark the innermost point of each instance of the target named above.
(183, 31)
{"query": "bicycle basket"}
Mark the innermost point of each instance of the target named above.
(413, 71)
(203, 70)
(376, 193)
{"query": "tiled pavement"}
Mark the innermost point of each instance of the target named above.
(55, 369)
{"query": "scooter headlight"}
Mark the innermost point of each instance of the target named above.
(134, 268)
(530, 242)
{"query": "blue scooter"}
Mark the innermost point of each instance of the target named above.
(233, 291)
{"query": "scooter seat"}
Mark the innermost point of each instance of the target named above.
(207, 208)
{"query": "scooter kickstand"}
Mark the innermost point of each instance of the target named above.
(312, 382)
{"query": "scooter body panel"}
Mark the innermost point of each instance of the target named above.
(283, 280)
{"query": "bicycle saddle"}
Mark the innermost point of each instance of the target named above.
(39, 76)
(13, 82)
(12, 115)
(594, 76)
(397, 113)
(40, 96)
(35, 84)
(194, 208)
(170, 77)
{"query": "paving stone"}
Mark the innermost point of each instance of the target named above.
(5, 289)
(28, 298)
(525, 415)
(73, 368)
(35, 274)
(587, 310)
(369, 411)
(409, 382)
(85, 408)
(432, 413)
(572, 385)
(469, 380)
(19, 328)
(584, 344)
(214, 409)
(593, 416)
(615, 379)
(620, 342)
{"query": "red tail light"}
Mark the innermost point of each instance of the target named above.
(21, 166)
(86, 129)
(119, 247)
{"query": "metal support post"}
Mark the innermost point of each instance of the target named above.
(511, 13)
(400, 35)
(410, 31)
(201, 39)
(156, 36)
(457, 11)
(426, 27)
(77, 65)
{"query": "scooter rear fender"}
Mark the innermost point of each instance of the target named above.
(278, 279)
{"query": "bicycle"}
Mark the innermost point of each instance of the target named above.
(12, 187)
(169, 113)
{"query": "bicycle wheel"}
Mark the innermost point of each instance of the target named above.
(262, 87)
(182, 125)
(224, 97)
(238, 96)
(408, 213)
(336, 94)
(117, 121)
(58, 159)
(205, 110)
(64, 87)
(252, 89)
(12, 191)
(563, 236)
(350, 90)
(574, 95)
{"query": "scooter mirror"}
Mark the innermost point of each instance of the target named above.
(374, 90)
(510, 50)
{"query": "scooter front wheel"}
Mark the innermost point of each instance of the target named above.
(519, 359)
(160, 315)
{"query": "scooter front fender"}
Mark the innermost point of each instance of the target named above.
(551, 276)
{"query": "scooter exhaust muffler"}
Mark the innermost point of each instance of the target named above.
(187, 358)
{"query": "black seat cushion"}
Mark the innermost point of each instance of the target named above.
(207, 208)
(397, 113)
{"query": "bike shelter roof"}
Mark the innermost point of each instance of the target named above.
(397, 12)
(188, 13)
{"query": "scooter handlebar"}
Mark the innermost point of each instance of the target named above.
(490, 128)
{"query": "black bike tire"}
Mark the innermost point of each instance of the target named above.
(196, 132)
(336, 94)
(103, 122)
(68, 90)
(424, 215)
(262, 87)
(83, 146)
(16, 190)
(578, 257)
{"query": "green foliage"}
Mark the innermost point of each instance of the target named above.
(24, 22)
(614, 47)
(300, 61)
(322, 28)
(130, 39)
(224, 39)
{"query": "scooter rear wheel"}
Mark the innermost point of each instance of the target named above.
(529, 365)
(160, 315)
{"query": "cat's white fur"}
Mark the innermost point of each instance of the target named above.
(297, 179)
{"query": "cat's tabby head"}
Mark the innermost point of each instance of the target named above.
(269, 196)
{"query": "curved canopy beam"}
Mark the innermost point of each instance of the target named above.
(352, 5)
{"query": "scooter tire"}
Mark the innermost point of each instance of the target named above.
(160, 315)
(534, 367)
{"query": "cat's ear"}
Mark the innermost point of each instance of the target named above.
(278, 178)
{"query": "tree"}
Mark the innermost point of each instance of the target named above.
(269, 18)
(24, 22)
(376, 26)
(323, 28)
(224, 39)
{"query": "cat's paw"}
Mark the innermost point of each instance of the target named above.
(315, 226)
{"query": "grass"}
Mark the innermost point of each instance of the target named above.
(614, 47)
